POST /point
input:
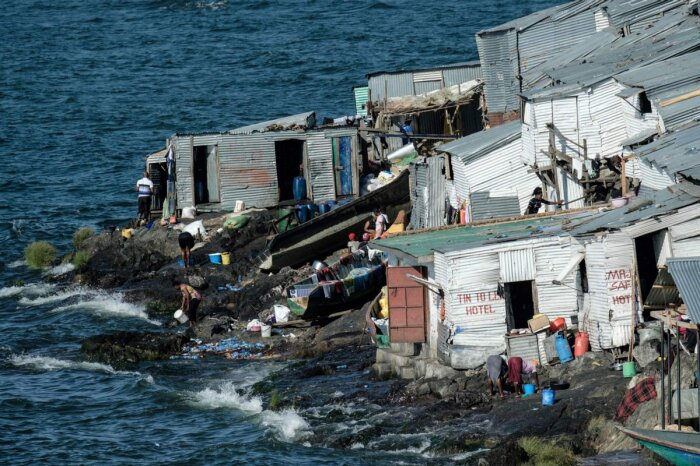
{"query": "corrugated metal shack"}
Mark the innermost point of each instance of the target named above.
(257, 164)
(432, 193)
(625, 260)
(494, 277)
(489, 175)
(601, 104)
(513, 55)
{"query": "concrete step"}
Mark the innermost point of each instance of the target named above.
(407, 372)
(406, 349)
(382, 370)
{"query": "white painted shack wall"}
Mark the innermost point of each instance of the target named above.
(606, 114)
(635, 121)
(470, 280)
(535, 135)
(609, 261)
(651, 177)
(501, 173)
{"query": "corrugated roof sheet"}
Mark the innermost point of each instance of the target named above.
(466, 64)
(664, 202)
(686, 274)
(674, 35)
(476, 145)
(301, 120)
(420, 244)
(677, 152)
(555, 13)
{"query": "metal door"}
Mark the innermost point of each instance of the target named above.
(407, 305)
(342, 164)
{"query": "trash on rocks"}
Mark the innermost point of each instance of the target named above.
(281, 313)
(253, 326)
(231, 348)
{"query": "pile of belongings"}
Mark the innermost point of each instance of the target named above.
(231, 348)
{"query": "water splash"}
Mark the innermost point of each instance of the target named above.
(102, 303)
(56, 297)
(32, 289)
(288, 424)
(17, 263)
(60, 269)
(48, 363)
(227, 396)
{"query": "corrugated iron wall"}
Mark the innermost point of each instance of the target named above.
(517, 265)
(412, 83)
(321, 170)
(499, 68)
(183, 159)
(498, 175)
(248, 171)
(361, 98)
(429, 193)
(551, 257)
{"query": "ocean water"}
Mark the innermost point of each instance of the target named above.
(87, 89)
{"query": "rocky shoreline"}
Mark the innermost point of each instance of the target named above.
(339, 352)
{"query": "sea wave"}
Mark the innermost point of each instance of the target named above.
(48, 363)
(227, 396)
(60, 269)
(17, 263)
(102, 303)
(58, 297)
(287, 424)
(32, 289)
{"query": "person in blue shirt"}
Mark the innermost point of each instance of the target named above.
(406, 129)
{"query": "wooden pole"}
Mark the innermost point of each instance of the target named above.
(670, 387)
(678, 377)
(663, 381)
(624, 178)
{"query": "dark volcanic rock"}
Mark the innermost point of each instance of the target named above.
(131, 347)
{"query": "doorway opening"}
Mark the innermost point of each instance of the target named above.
(159, 176)
(656, 286)
(206, 174)
(520, 303)
(289, 157)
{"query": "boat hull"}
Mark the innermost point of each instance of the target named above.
(679, 448)
(329, 232)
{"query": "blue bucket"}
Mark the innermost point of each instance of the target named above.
(529, 389)
(303, 213)
(215, 258)
(299, 188)
(323, 208)
(547, 397)
(313, 211)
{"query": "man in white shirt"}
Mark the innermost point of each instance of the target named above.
(144, 187)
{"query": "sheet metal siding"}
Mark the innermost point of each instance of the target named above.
(500, 173)
(405, 83)
(524, 347)
(387, 86)
(565, 114)
(686, 275)
(437, 194)
(598, 312)
(685, 230)
(555, 300)
(542, 41)
(606, 111)
(651, 177)
(183, 163)
(499, 67)
(602, 20)
(461, 75)
(467, 276)
(320, 153)
(427, 86)
(517, 265)
(248, 171)
(650, 225)
(361, 98)
(687, 247)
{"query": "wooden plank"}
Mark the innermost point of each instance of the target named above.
(680, 98)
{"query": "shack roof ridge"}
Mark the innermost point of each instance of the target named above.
(426, 68)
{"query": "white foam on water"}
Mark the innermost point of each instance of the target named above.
(60, 269)
(55, 297)
(31, 289)
(17, 263)
(337, 394)
(48, 363)
(288, 424)
(227, 396)
(357, 446)
(102, 303)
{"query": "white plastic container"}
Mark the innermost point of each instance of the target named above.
(239, 207)
(265, 331)
(180, 316)
(281, 313)
(189, 212)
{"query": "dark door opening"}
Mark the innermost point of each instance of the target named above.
(159, 176)
(289, 157)
(206, 174)
(520, 305)
(655, 285)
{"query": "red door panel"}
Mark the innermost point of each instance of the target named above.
(407, 305)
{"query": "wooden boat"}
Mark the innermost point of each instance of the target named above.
(328, 232)
(350, 281)
(379, 336)
(679, 448)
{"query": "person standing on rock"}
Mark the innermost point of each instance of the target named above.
(190, 300)
(144, 187)
(186, 242)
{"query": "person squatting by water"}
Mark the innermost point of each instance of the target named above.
(144, 187)
(190, 300)
(536, 202)
(186, 242)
